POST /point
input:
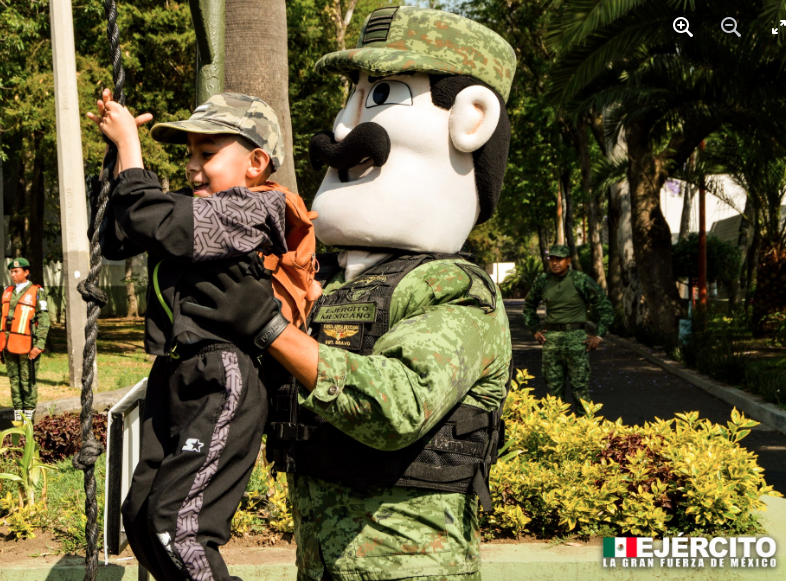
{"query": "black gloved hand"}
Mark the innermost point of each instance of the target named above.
(239, 298)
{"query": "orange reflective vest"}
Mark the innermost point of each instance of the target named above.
(17, 335)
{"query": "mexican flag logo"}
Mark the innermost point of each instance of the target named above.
(616, 547)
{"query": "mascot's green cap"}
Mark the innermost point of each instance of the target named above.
(559, 250)
(18, 263)
(407, 38)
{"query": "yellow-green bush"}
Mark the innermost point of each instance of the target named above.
(561, 474)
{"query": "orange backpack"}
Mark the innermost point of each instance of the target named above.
(293, 272)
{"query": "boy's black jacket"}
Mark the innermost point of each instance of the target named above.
(141, 218)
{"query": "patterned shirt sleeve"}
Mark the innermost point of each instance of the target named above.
(418, 371)
(596, 298)
(42, 319)
(531, 303)
(237, 221)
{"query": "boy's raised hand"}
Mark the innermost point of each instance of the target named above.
(116, 122)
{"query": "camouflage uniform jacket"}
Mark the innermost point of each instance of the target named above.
(41, 328)
(589, 291)
(442, 348)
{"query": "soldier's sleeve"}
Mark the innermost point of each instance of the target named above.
(531, 303)
(418, 371)
(42, 319)
(595, 296)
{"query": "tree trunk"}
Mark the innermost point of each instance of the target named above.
(543, 243)
(744, 241)
(569, 229)
(651, 235)
(36, 216)
(560, 223)
(688, 191)
(257, 64)
(596, 245)
(133, 306)
(614, 281)
(752, 256)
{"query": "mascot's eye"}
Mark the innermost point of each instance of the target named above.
(389, 93)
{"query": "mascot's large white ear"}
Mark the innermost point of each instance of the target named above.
(473, 118)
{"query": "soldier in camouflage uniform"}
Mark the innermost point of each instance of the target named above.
(33, 321)
(568, 295)
(409, 337)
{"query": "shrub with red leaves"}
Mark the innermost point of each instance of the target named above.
(60, 436)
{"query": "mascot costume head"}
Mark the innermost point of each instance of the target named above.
(417, 156)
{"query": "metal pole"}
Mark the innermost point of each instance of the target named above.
(702, 242)
(70, 167)
(208, 17)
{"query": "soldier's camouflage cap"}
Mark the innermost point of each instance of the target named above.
(559, 250)
(232, 113)
(407, 38)
(19, 263)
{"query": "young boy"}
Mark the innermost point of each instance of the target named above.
(205, 407)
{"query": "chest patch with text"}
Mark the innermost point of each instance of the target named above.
(359, 312)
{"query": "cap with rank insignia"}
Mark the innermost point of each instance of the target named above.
(402, 39)
(18, 263)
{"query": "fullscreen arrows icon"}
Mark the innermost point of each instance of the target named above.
(783, 22)
(775, 31)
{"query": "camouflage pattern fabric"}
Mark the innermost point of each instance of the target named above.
(234, 114)
(589, 291)
(411, 39)
(447, 344)
(24, 395)
(559, 250)
(566, 359)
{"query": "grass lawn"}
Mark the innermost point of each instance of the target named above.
(122, 361)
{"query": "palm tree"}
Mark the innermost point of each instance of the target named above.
(758, 166)
(257, 64)
(667, 92)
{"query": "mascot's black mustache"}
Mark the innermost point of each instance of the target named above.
(366, 141)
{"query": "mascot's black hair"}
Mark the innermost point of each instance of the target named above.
(492, 158)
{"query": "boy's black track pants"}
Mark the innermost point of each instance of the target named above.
(201, 433)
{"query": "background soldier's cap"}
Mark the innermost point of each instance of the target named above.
(407, 38)
(559, 250)
(19, 263)
(232, 113)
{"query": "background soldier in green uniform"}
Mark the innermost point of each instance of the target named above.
(568, 295)
(24, 392)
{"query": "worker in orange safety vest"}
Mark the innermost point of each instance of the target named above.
(25, 318)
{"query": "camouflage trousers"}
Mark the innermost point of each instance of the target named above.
(23, 395)
(565, 359)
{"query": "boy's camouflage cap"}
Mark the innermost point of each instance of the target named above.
(559, 251)
(230, 113)
(407, 38)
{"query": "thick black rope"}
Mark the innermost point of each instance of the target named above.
(91, 449)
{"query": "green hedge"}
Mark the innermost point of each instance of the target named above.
(561, 474)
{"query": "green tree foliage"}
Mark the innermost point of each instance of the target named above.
(539, 150)
(668, 92)
(723, 259)
(158, 49)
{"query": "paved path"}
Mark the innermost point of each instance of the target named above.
(632, 388)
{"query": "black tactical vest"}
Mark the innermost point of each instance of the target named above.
(455, 456)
